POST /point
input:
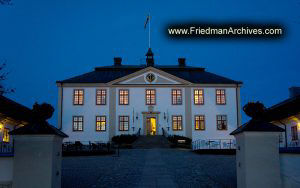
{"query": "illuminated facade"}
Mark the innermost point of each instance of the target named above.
(12, 115)
(286, 114)
(123, 99)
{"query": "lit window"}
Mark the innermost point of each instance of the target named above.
(100, 123)
(199, 122)
(176, 97)
(220, 96)
(101, 96)
(123, 123)
(123, 96)
(221, 122)
(77, 123)
(5, 135)
(198, 96)
(177, 123)
(150, 96)
(78, 97)
(294, 133)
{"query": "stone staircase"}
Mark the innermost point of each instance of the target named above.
(148, 142)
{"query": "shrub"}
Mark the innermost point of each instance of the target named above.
(124, 139)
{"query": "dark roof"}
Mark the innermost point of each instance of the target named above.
(43, 128)
(284, 109)
(109, 73)
(257, 126)
(15, 111)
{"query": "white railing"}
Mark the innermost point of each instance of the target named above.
(295, 143)
(6, 149)
(214, 144)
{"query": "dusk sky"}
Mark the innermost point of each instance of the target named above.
(50, 40)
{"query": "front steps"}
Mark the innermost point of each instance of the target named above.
(148, 142)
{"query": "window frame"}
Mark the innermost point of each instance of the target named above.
(150, 96)
(294, 134)
(122, 95)
(74, 90)
(77, 125)
(101, 95)
(198, 96)
(177, 123)
(105, 121)
(123, 123)
(199, 115)
(221, 97)
(172, 101)
(222, 120)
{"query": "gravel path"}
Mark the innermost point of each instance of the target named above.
(150, 168)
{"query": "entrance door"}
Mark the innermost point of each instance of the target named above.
(151, 126)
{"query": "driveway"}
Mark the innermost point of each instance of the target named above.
(150, 168)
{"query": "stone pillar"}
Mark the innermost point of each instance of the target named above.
(257, 155)
(37, 161)
(37, 156)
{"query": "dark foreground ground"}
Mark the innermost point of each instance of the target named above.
(150, 168)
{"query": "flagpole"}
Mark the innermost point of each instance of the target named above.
(149, 31)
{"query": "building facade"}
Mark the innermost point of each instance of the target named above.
(12, 116)
(125, 99)
(286, 114)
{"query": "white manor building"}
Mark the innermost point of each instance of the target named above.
(123, 99)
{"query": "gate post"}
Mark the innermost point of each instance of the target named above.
(257, 155)
(37, 156)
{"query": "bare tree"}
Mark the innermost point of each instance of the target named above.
(3, 77)
(5, 2)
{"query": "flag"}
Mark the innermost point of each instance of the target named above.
(146, 22)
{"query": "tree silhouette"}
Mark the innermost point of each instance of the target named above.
(42, 111)
(256, 110)
(5, 2)
(3, 77)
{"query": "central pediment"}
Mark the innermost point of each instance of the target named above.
(150, 75)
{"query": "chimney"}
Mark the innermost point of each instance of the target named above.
(181, 62)
(294, 91)
(117, 61)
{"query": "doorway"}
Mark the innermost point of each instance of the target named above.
(151, 127)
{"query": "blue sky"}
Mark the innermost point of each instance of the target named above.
(45, 41)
